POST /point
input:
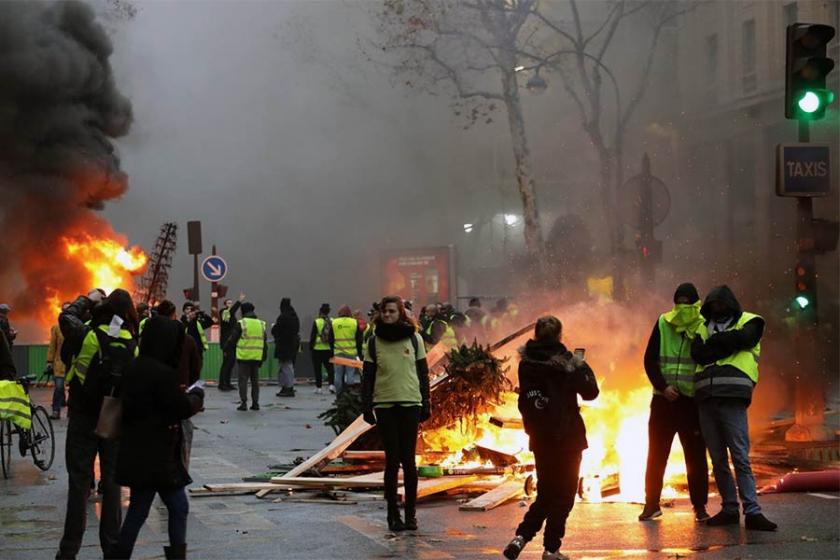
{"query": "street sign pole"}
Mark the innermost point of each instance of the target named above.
(214, 297)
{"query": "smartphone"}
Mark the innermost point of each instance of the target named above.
(579, 353)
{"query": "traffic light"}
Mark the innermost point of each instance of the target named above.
(804, 300)
(806, 68)
(650, 250)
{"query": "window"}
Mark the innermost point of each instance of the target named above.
(748, 55)
(790, 12)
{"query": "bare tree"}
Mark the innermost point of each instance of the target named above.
(478, 51)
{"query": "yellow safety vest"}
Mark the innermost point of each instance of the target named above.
(675, 358)
(14, 405)
(202, 335)
(251, 344)
(344, 331)
(319, 328)
(90, 347)
(745, 361)
(448, 337)
(142, 325)
(225, 315)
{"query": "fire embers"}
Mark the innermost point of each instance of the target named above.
(59, 110)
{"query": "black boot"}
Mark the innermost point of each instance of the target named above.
(410, 517)
(175, 552)
(395, 522)
(757, 522)
(723, 518)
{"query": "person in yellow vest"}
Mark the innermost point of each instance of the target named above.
(249, 341)
(727, 352)
(56, 366)
(320, 348)
(438, 328)
(103, 347)
(346, 343)
(226, 324)
(670, 369)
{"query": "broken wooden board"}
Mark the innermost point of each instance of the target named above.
(239, 486)
(322, 482)
(363, 455)
(506, 491)
(507, 423)
(349, 362)
(430, 486)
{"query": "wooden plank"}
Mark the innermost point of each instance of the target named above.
(496, 497)
(321, 482)
(350, 362)
(363, 455)
(429, 486)
(239, 486)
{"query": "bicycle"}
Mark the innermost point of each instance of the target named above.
(39, 440)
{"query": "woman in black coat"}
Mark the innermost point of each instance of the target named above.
(150, 457)
(550, 380)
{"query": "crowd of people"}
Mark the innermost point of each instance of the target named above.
(701, 360)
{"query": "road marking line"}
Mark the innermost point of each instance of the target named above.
(824, 496)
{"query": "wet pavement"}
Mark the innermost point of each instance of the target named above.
(229, 445)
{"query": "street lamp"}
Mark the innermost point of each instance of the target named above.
(536, 84)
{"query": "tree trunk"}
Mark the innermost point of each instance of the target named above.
(523, 167)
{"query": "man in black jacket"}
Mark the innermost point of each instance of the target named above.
(550, 379)
(286, 333)
(226, 325)
(727, 352)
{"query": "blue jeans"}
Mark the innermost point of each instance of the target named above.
(724, 425)
(345, 375)
(138, 510)
(58, 394)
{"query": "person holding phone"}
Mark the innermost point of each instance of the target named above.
(670, 369)
(550, 380)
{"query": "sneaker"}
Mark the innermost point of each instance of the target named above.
(700, 514)
(650, 512)
(723, 518)
(242, 406)
(757, 522)
(556, 555)
(255, 407)
(332, 388)
(514, 547)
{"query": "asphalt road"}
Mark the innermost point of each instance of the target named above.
(229, 445)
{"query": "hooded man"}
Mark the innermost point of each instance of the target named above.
(320, 348)
(726, 350)
(248, 340)
(286, 333)
(670, 369)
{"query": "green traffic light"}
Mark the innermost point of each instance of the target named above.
(802, 302)
(810, 102)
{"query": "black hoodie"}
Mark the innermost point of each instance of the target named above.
(549, 382)
(722, 345)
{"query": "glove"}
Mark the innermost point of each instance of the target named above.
(425, 411)
(369, 417)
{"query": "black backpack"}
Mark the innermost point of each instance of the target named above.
(104, 375)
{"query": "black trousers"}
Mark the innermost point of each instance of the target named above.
(666, 420)
(228, 361)
(558, 471)
(398, 428)
(80, 453)
(249, 371)
(322, 358)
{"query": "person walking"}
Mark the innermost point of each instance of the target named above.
(346, 343)
(727, 352)
(226, 325)
(108, 345)
(55, 366)
(670, 369)
(150, 457)
(395, 397)
(286, 333)
(320, 348)
(550, 379)
(248, 340)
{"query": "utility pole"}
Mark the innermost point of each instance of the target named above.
(214, 297)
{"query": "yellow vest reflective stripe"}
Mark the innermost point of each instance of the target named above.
(319, 328)
(14, 405)
(675, 358)
(90, 347)
(744, 360)
(344, 331)
(250, 345)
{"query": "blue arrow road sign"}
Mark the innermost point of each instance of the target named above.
(213, 268)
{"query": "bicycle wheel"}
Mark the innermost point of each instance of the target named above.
(6, 448)
(42, 439)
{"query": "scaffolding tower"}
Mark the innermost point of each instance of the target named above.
(152, 288)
